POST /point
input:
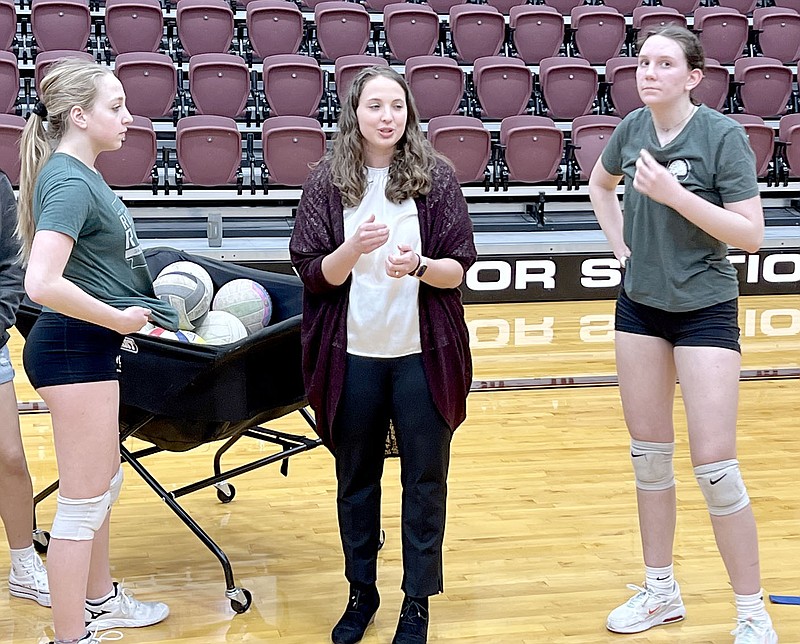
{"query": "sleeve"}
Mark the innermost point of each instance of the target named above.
(65, 206)
(313, 236)
(455, 238)
(11, 274)
(736, 178)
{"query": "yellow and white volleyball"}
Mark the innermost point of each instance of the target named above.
(186, 293)
(180, 335)
(247, 300)
(221, 327)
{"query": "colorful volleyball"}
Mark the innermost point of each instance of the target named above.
(247, 300)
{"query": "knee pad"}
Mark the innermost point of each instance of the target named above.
(652, 465)
(79, 519)
(723, 487)
(116, 485)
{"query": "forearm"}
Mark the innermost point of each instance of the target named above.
(65, 297)
(337, 266)
(609, 215)
(721, 223)
(443, 273)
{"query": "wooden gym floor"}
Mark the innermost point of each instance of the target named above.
(542, 534)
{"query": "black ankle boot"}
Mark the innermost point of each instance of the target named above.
(412, 627)
(359, 614)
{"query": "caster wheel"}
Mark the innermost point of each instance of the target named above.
(241, 606)
(225, 492)
(382, 539)
(41, 540)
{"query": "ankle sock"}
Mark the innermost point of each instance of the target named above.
(21, 557)
(104, 598)
(659, 580)
(751, 605)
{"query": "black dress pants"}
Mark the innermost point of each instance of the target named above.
(375, 391)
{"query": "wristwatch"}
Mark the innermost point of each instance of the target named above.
(420, 270)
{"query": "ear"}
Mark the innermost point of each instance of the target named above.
(77, 117)
(695, 76)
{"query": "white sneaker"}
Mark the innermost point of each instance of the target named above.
(754, 631)
(645, 610)
(93, 638)
(30, 582)
(123, 611)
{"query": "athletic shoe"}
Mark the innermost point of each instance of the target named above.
(93, 638)
(412, 627)
(359, 614)
(645, 610)
(123, 611)
(754, 631)
(30, 582)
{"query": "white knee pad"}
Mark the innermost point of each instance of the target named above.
(652, 465)
(723, 487)
(116, 485)
(79, 519)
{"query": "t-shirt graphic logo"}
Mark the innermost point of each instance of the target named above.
(679, 168)
(133, 251)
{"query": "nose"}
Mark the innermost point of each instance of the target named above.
(126, 116)
(386, 114)
(650, 70)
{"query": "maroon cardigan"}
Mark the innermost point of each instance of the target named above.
(446, 231)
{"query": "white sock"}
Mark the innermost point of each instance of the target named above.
(104, 598)
(659, 580)
(751, 606)
(22, 558)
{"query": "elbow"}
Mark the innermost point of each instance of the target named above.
(36, 288)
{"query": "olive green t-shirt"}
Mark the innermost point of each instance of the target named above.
(107, 261)
(674, 265)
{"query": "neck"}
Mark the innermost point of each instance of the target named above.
(671, 118)
(378, 159)
(79, 151)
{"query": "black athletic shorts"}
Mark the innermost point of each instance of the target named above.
(61, 350)
(712, 326)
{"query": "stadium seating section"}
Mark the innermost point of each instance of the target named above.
(242, 97)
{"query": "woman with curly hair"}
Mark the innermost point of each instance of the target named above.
(382, 241)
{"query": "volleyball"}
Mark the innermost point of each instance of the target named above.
(193, 268)
(177, 336)
(247, 300)
(221, 327)
(186, 294)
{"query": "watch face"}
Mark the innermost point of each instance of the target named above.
(421, 270)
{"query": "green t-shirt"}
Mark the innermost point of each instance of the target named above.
(674, 265)
(107, 261)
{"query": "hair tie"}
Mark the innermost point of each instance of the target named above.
(40, 110)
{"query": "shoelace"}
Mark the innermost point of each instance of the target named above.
(111, 636)
(743, 626)
(407, 608)
(641, 596)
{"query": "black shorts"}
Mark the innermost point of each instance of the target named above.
(61, 350)
(712, 326)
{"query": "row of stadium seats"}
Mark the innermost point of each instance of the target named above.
(497, 87)
(626, 7)
(339, 28)
(210, 151)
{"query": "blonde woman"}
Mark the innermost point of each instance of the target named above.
(87, 270)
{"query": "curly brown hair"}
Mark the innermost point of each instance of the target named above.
(414, 157)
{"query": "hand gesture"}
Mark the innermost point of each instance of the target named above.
(654, 180)
(131, 319)
(401, 264)
(369, 236)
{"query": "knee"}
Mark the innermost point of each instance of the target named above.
(79, 519)
(12, 463)
(722, 487)
(652, 465)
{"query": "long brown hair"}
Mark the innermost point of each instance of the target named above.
(414, 159)
(68, 83)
